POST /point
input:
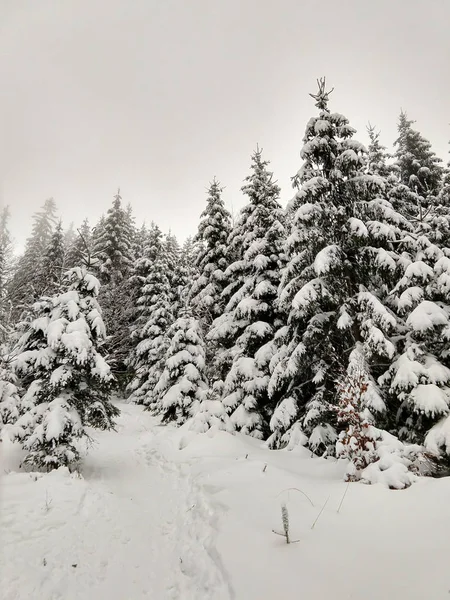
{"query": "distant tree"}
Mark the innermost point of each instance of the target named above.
(113, 252)
(150, 332)
(6, 272)
(377, 157)
(28, 282)
(80, 245)
(53, 262)
(419, 172)
(212, 257)
(113, 243)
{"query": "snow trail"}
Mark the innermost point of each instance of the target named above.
(134, 526)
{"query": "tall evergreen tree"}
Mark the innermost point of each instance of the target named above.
(377, 157)
(212, 257)
(444, 195)
(29, 279)
(81, 244)
(419, 172)
(114, 242)
(251, 316)
(150, 333)
(6, 262)
(417, 383)
(66, 380)
(113, 247)
(341, 263)
(53, 262)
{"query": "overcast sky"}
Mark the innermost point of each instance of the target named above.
(159, 96)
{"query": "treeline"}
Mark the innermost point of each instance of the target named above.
(324, 324)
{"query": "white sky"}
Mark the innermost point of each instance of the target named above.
(159, 96)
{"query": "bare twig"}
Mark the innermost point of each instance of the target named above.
(342, 500)
(296, 490)
(321, 511)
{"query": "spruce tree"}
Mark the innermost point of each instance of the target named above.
(150, 333)
(114, 242)
(417, 383)
(182, 382)
(53, 262)
(66, 381)
(377, 157)
(341, 264)
(80, 245)
(444, 194)
(419, 173)
(251, 318)
(113, 247)
(9, 393)
(212, 257)
(28, 282)
(6, 271)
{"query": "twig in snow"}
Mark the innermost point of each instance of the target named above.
(48, 502)
(264, 469)
(342, 500)
(296, 490)
(321, 511)
(285, 521)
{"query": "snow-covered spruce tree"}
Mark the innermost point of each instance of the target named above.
(176, 275)
(80, 245)
(53, 262)
(182, 382)
(150, 332)
(140, 242)
(444, 194)
(6, 272)
(418, 380)
(28, 282)
(419, 173)
(341, 263)
(9, 393)
(377, 157)
(114, 259)
(212, 257)
(113, 243)
(251, 318)
(140, 300)
(66, 380)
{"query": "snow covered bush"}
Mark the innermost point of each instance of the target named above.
(66, 381)
(209, 414)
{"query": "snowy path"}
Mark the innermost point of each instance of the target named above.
(135, 526)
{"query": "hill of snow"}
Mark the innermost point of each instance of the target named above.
(161, 513)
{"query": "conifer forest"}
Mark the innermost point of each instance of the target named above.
(224, 300)
(323, 323)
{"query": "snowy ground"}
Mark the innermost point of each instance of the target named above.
(161, 514)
